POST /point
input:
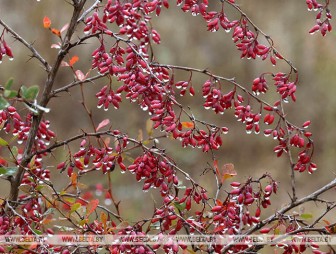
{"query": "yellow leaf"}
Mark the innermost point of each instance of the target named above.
(83, 222)
(46, 22)
(103, 219)
(228, 171)
(74, 179)
(69, 199)
(75, 207)
(140, 136)
(47, 220)
(149, 127)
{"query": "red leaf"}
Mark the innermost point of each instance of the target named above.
(73, 60)
(219, 203)
(219, 229)
(80, 75)
(92, 205)
(188, 125)
(46, 22)
(56, 31)
(103, 124)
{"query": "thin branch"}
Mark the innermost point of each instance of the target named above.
(109, 133)
(309, 228)
(233, 82)
(92, 7)
(15, 183)
(76, 83)
(310, 197)
(291, 161)
(260, 31)
(35, 53)
(19, 215)
(86, 201)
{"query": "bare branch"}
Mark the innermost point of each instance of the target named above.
(44, 101)
(35, 53)
(92, 7)
(76, 83)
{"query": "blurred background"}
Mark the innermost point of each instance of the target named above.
(185, 41)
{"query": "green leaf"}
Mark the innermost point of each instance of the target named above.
(155, 225)
(9, 83)
(276, 231)
(306, 216)
(179, 206)
(75, 206)
(29, 93)
(15, 152)
(3, 142)
(32, 92)
(38, 232)
(8, 171)
(181, 186)
(49, 211)
(10, 94)
(79, 214)
(3, 103)
(23, 91)
(39, 187)
(69, 199)
(3, 171)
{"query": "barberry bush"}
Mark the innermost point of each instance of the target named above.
(124, 68)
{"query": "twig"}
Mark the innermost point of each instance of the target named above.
(86, 201)
(260, 31)
(88, 10)
(291, 162)
(15, 183)
(23, 218)
(310, 197)
(36, 54)
(109, 133)
(76, 83)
